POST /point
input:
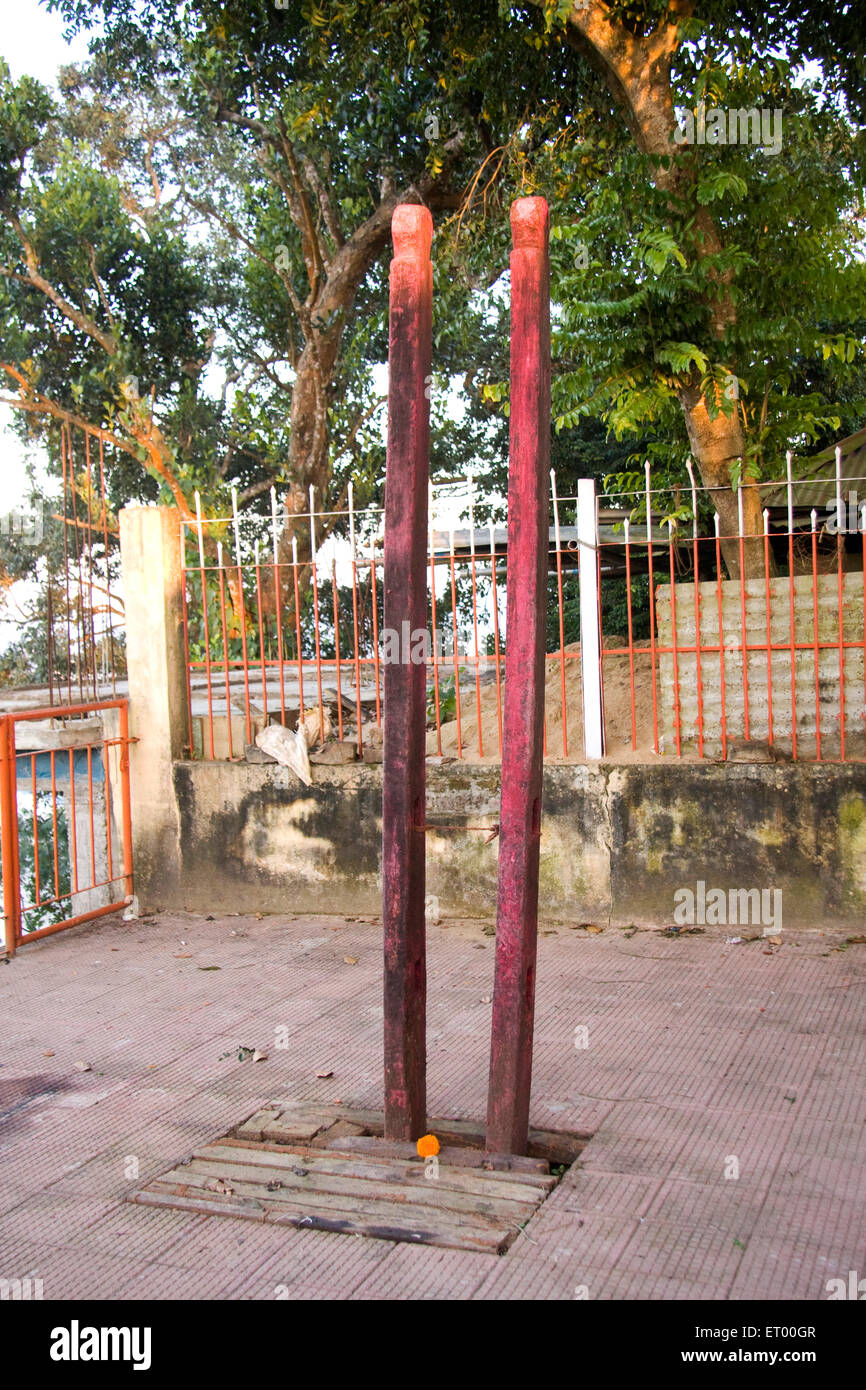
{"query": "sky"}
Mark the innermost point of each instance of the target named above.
(31, 41)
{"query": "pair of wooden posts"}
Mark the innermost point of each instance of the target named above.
(405, 597)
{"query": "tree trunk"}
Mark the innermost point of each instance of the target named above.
(638, 74)
(717, 444)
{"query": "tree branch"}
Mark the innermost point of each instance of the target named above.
(78, 317)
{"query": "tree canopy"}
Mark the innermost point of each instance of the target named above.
(214, 198)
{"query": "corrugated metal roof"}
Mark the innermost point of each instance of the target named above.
(815, 478)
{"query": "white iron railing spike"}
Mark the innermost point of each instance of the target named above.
(274, 525)
(555, 499)
(691, 473)
(236, 524)
(789, 477)
(200, 526)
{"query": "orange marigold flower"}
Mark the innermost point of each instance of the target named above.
(428, 1145)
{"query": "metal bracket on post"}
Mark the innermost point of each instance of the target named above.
(405, 688)
(590, 619)
(520, 818)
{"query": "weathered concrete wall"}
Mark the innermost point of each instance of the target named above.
(156, 662)
(768, 686)
(617, 841)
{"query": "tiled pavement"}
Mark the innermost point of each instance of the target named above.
(704, 1060)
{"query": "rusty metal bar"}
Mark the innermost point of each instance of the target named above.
(494, 598)
(126, 801)
(9, 832)
(355, 631)
(405, 584)
(435, 653)
(14, 911)
(207, 660)
(314, 580)
(520, 816)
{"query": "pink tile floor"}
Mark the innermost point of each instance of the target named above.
(704, 1060)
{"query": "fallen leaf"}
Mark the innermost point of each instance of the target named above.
(486, 999)
(774, 940)
(209, 967)
(219, 1185)
(351, 960)
(259, 1056)
(184, 955)
(48, 1054)
(81, 1066)
(323, 1075)
(856, 940)
(595, 931)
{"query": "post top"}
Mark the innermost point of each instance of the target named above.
(412, 231)
(530, 220)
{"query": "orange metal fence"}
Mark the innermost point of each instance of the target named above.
(65, 817)
(653, 649)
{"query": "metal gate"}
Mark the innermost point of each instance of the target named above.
(65, 817)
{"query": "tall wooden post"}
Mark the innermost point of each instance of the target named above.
(520, 813)
(403, 847)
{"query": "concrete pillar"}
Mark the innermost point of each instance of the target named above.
(158, 715)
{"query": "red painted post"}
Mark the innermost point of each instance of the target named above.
(404, 740)
(520, 813)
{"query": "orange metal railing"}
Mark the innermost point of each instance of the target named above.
(684, 661)
(65, 820)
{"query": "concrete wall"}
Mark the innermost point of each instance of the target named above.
(158, 711)
(617, 841)
(808, 666)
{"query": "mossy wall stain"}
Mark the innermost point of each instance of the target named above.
(617, 841)
(852, 847)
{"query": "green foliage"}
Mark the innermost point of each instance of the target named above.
(357, 84)
(49, 912)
